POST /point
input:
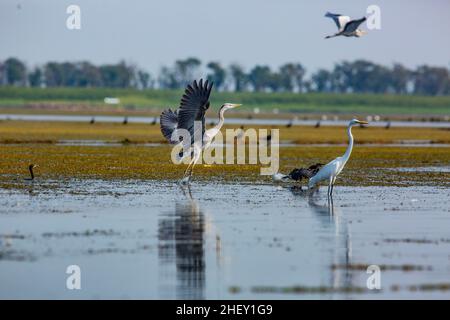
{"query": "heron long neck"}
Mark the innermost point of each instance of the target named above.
(348, 152)
(221, 118)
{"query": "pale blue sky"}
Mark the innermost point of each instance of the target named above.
(153, 33)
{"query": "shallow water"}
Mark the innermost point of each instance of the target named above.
(135, 239)
(232, 121)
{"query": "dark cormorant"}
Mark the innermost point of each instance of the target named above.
(30, 168)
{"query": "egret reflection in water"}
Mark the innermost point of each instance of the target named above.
(341, 251)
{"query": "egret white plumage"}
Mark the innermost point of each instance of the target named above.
(193, 106)
(346, 26)
(331, 170)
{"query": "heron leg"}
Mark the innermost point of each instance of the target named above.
(196, 158)
(190, 168)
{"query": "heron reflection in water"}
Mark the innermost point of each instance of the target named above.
(182, 237)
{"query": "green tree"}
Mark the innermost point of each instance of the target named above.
(217, 75)
(431, 81)
(239, 77)
(260, 78)
(35, 77)
(291, 76)
(322, 81)
(15, 72)
(186, 70)
(144, 79)
(117, 76)
(400, 79)
(167, 79)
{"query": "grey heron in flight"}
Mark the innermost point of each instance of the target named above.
(193, 106)
(346, 26)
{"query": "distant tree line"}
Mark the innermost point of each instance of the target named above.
(359, 76)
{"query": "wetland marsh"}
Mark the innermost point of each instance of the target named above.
(115, 209)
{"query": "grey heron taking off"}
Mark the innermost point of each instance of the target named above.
(193, 106)
(346, 26)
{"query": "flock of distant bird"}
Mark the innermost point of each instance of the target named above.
(195, 102)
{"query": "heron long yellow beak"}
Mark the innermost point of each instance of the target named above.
(235, 105)
(363, 122)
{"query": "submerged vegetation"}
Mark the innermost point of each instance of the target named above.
(36, 142)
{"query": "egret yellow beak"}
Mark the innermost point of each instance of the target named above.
(235, 105)
(363, 122)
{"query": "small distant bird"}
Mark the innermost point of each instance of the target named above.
(346, 26)
(388, 125)
(291, 122)
(125, 120)
(155, 120)
(30, 168)
(317, 124)
(249, 117)
(92, 120)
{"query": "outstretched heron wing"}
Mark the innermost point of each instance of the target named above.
(168, 123)
(353, 25)
(339, 19)
(193, 106)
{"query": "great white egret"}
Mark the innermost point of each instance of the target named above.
(331, 170)
(346, 26)
(193, 106)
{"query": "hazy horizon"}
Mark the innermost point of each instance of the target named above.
(156, 33)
